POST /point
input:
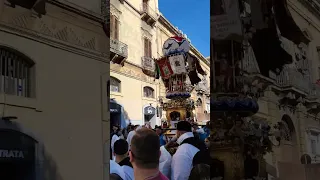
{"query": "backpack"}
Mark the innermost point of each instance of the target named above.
(203, 155)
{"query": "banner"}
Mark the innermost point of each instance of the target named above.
(225, 20)
(165, 68)
(177, 63)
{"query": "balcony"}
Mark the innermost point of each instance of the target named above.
(118, 51)
(148, 65)
(291, 78)
(148, 14)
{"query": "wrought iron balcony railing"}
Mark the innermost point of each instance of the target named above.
(118, 47)
(290, 77)
(148, 10)
(147, 63)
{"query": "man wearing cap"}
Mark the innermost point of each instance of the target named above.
(121, 154)
(181, 164)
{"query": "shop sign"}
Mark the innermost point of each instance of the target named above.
(115, 108)
(11, 154)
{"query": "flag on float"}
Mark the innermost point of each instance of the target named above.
(164, 67)
(177, 63)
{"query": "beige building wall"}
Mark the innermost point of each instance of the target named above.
(132, 31)
(68, 114)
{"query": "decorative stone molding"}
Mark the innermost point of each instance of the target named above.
(56, 29)
(129, 72)
(114, 11)
(146, 33)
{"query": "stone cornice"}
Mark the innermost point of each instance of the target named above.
(58, 29)
(54, 42)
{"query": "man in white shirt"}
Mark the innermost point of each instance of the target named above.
(122, 158)
(181, 164)
(115, 168)
(165, 162)
(132, 133)
(114, 138)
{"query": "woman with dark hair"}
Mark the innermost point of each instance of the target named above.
(200, 172)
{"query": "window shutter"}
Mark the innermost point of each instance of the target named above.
(112, 18)
(116, 29)
(150, 48)
(145, 47)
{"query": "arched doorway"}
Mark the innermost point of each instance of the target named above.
(289, 145)
(149, 115)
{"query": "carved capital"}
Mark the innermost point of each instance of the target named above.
(114, 11)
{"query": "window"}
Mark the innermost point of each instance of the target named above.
(115, 85)
(114, 27)
(313, 146)
(148, 92)
(15, 73)
(147, 48)
(314, 143)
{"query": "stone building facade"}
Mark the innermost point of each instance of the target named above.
(53, 89)
(292, 97)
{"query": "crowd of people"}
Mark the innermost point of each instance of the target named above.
(142, 153)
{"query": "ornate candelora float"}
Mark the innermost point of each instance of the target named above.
(178, 69)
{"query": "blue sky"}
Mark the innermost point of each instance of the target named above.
(193, 18)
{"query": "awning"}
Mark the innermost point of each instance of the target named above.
(286, 24)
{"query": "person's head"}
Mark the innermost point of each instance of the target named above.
(158, 130)
(208, 124)
(114, 176)
(145, 149)
(115, 128)
(200, 172)
(183, 127)
(121, 148)
(135, 127)
(195, 126)
(207, 142)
